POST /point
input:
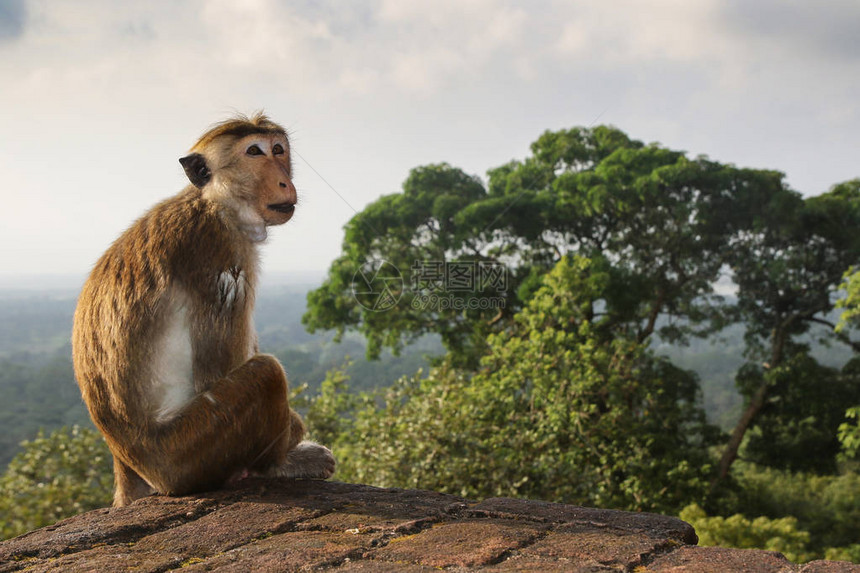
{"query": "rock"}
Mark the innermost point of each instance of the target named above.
(292, 525)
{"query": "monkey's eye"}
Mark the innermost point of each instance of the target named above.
(278, 149)
(254, 150)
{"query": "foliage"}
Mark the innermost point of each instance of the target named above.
(554, 412)
(803, 515)
(55, 476)
(787, 263)
(797, 428)
(657, 222)
(849, 553)
(328, 412)
(851, 301)
(849, 431)
(739, 531)
(661, 227)
(849, 434)
(828, 507)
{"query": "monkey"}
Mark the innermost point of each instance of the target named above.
(163, 343)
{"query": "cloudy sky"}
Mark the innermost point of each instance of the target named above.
(98, 99)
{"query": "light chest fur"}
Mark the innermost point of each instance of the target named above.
(173, 364)
(172, 374)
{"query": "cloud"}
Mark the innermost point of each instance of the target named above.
(629, 31)
(824, 28)
(372, 88)
(13, 16)
(366, 47)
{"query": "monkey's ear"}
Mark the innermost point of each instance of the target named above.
(196, 169)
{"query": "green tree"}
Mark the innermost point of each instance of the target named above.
(849, 431)
(329, 411)
(660, 228)
(787, 265)
(659, 223)
(56, 476)
(740, 531)
(555, 411)
(827, 507)
(849, 434)
(420, 224)
(797, 429)
(851, 301)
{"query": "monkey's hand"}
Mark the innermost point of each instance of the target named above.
(307, 460)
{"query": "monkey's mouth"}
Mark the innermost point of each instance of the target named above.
(285, 207)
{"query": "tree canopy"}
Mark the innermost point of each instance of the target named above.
(553, 412)
(787, 265)
(659, 223)
(662, 229)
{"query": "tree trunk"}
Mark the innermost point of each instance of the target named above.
(731, 453)
(652, 318)
(754, 407)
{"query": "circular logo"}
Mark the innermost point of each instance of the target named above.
(377, 285)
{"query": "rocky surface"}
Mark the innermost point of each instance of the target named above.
(284, 525)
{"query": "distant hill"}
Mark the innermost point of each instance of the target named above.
(39, 391)
(37, 380)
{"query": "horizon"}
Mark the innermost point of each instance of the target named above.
(103, 99)
(56, 283)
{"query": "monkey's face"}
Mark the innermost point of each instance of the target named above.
(264, 160)
(251, 176)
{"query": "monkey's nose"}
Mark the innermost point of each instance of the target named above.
(282, 185)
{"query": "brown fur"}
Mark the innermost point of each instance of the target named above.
(192, 255)
(238, 127)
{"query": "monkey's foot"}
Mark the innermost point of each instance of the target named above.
(307, 460)
(239, 476)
